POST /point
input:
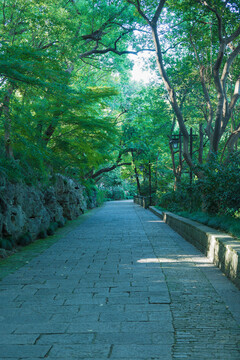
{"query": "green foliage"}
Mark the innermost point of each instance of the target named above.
(56, 117)
(42, 234)
(63, 88)
(101, 197)
(223, 222)
(115, 193)
(24, 240)
(61, 223)
(113, 186)
(218, 192)
(52, 228)
(6, 244)
(220, 186)
(186, 197)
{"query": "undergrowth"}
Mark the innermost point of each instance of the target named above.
(219, 222)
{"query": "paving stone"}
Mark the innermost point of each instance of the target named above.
(91, 327)
(123, 316)
(79, 351)
(42, 328)
(147, 352)
(18, 339)
(124, 338)
(19, 351)
(127, 288)
(146, 327)
(6, 328)
(67, 339)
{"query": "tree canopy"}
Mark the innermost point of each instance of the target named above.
(68, 103)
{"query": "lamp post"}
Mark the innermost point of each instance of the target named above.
(176, 140)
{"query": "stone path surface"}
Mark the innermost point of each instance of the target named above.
(122, 285)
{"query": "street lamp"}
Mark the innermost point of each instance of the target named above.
(174, 141)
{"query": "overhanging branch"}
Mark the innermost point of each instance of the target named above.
(108, 169)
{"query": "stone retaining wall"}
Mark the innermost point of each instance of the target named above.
(222, 249)
(29, 212)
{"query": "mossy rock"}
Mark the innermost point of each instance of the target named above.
(25, 239)
(6, 244)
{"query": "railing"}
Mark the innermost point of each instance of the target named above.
(144, 201)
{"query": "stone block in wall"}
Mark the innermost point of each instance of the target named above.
(28, 209)
(22, 210)
(53, 207)
(13, 221)
(71, 196)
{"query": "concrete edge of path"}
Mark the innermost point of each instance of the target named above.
(222, 249)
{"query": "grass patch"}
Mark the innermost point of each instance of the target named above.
(27, 253)
(223, 223)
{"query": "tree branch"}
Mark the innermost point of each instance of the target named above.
(227, 110)
(4, 15)
(233, 138)
(236, 94)
(138, 7)
(108, 169)
(171, 47)
(219, 19)
(228, 64)
(48, 45)
(234, 35)
(111, 49)
(158, 12)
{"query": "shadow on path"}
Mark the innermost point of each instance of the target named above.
(122, 285)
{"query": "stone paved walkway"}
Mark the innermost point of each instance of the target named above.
(122, 285)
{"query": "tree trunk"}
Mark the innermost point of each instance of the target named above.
(136, 174)
(150, 182)
(177, 170)
(200, 152)
(137, 179)
(231, 143)
(172, 97)
(177, 181)
(8, 123)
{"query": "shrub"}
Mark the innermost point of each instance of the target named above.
(220, 186)
(101, 197)
(42, 234)
(24, 240)
(61, 223)
(217, 192)
(52, 228)
(115, 193)
(6, 244)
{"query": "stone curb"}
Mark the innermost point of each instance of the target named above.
(222, 249)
